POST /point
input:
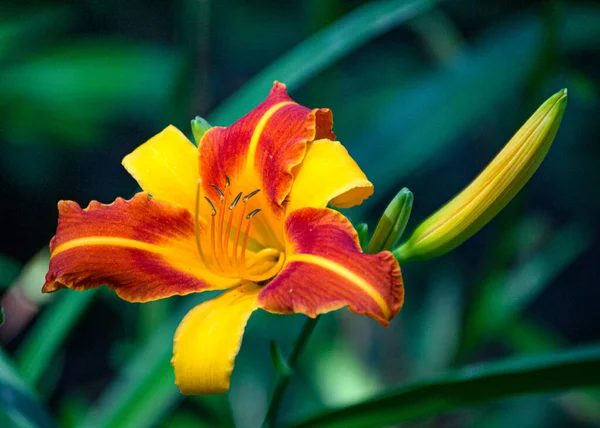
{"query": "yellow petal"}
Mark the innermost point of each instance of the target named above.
(328, 175)
(166, 166)
(495, 187)
(208, 340)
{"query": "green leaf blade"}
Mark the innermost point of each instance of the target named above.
(316, 53)
(470, 386)
(49, 332)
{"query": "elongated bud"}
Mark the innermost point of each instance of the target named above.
(199, 127)
(499, 182)
(392, 223)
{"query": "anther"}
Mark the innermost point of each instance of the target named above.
(212, 206)
(221, 194)
(227, 181)
(197, 228)
(253, 213)
(249, 195)
(235, 201)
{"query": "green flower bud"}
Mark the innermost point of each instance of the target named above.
(362, 230)
(392, 223)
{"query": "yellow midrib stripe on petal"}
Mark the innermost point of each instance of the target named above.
(108, 240)
(344, 273)
(176, 253)
(260, 126)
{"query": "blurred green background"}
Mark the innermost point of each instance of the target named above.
(423, 93)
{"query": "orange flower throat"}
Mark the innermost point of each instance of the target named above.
(248, 265)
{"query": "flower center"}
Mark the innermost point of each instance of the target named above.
(228, 235)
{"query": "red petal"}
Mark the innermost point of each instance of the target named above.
(260, 149)
(326, 270)
(144, 249)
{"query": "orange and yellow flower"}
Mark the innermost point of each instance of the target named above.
(245, 211)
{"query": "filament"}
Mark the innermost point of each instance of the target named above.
(243, 265)
(197, 227)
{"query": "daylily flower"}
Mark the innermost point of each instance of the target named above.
(245, 211)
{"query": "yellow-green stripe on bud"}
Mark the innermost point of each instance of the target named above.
(392, 223)
(199, 127)
(499, 182)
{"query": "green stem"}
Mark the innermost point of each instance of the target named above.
(283, 381)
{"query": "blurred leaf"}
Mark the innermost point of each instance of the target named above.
(470, 386)
(28, 25)
(321, 50)
(441, 35)
(580, 29)
(108, 77)
(439, 321)
(19, 406)
(340, 376)
(505, 296)
(73, 409)
(186, 419)
(279, 361)
(150, 316)
(436, 110)
(31, 278)
(9, 270)
(51, 329)
(526, 336)
(144, 389)
(1, 316)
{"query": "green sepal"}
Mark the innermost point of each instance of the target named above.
(199, 128)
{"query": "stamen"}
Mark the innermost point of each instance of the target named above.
(212, 240)
(220, 232)
(212, 206)
(220, 262)
(237, 239)
(253, 213)
(244, 243)
(221, 194)
(235, 201)
(197, 227)
(249, 195)
(228, 230)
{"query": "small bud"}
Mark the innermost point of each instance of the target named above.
(362, 230)
(392, 223)
(199, 127)
(279, 361)
(492, 190)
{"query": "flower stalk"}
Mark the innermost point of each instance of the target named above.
(284, 380)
